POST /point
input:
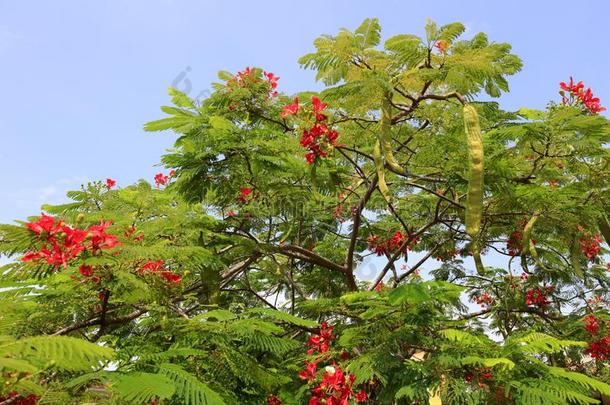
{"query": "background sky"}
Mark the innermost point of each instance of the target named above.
(79, 79)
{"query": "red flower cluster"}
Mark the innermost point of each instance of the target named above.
(110, 183)
(336, 388)
(589, 244)
(319, 139)
(249, 77)
(309, 373)
(63, 243)
(442, 45)
(161, 179)
(156, 267)
(245, 194)
(578, 95)
(591, 324)
(273, 400)
(484, 300)
(291, 109)
(131, 233)
(482, 375)
(381, 247)
(538, 296)
(514, 243)
(599, 349)
(30, 399)
(321, 343)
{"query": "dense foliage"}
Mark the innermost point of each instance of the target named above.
(232, 279)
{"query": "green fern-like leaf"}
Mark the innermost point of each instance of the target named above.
(139, 388)
(189, 388)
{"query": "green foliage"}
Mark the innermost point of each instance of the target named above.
(265, 247)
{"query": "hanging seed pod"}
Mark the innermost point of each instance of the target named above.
(526, 241)
(383, 187)
(474, 200)
(385, 136)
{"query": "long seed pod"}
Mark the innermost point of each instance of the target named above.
(383, 187)
(474, 200)
(526, 241)
(478, 263)
(527, 244)
(385, 136)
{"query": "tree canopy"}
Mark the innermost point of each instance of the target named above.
(232, 279)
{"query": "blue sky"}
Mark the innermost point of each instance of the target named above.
(79, 79)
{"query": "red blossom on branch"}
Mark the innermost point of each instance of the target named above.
(61, 243)
(442, 45)
(273, 400)
(599, 349)
(381, 247)
(245, 194)
(577, 95)
(157, 267)
(591, 324)
(590, 245)
(484, 299)
(110, 183)
(309, 373)
(20, 399)
(321, 342)
(319, 139)
(538, 296)
(161, 179)
(291, 109)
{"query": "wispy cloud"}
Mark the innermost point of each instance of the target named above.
(22, 202)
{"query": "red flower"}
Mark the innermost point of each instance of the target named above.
(172, 173)
(318, 106)
(272, 79)
(571, 87)
(578, 95)
(85, 270)
(24, 399)
(514, 243)
(161, 179)
(336, 388)
(100, 239)
(63, 243)
(110, 183)
(45, 223)
(361, 396)
(442, 45)
(484, 299)
(273, 400)
(591, 324)
(599, 349)
(245, 194)
(291, 109)
(321, 343)
(309, 373)
(537, 297)
(590, 245)
(153, 266)
(171, 277)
